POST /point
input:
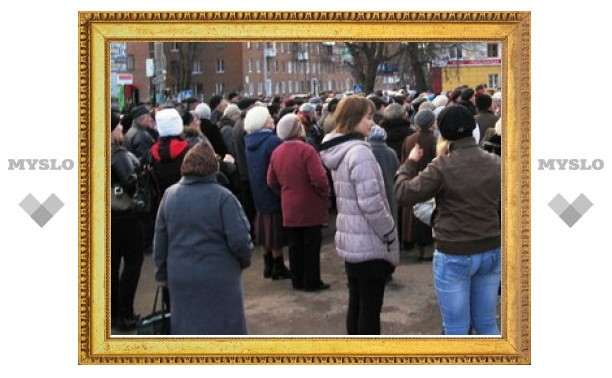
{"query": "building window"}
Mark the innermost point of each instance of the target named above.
(307, 67)
(130, 63)
(251, 88)
(174, 46)
(220, 66)
(259, 88)
(456, 52)
(493, 80)
(197, 67)
(199, 88)
(257, 66)
(219, 88)
(289, 67)
(283, 87)
(290, 86)
(248, 45)
(219, 45)
(250, 65)
(256, 45)
(492, 50)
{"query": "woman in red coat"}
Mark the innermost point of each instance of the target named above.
(297, 173)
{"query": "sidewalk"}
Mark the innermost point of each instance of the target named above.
(274, 308)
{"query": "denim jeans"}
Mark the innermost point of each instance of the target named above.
(467, 288)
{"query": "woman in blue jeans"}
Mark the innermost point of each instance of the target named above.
(466, 184)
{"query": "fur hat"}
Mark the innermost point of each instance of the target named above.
(169, 122)
(288, 126)
(255, 119)
(456, 122)
(200, 160)
(424, 119)
(203, 111)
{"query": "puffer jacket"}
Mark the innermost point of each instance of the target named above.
(467, 186)
(365, 229)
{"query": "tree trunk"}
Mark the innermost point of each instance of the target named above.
(417, 67)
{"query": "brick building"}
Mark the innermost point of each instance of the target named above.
(251, 68)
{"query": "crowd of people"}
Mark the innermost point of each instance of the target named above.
(241, 171)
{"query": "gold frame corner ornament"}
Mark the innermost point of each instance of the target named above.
(97, 29)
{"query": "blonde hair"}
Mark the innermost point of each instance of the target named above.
(442, 147)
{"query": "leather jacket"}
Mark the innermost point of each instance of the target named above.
(466, 184)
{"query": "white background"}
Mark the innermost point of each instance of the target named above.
(570, 266)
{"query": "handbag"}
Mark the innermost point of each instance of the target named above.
(158, 321)
(424, 211)
(120, 200)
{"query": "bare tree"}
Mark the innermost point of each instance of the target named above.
(367, 57)
(188, 53)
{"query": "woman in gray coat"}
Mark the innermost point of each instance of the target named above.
(366, 237)
(201, 245)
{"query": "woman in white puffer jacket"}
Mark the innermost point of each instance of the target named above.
(366, 236)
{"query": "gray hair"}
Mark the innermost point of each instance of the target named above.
(395, 111)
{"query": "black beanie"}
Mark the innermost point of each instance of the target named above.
(456, 122)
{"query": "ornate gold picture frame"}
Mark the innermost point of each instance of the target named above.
(98, 29)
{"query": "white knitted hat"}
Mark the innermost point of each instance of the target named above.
(169, 122)
(255, 119)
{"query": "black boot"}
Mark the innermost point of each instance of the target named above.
(268, 264)
(279, 270)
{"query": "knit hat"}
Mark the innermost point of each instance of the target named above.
(169, 122)
(138, 111)
(256, 118)
(456, 122)
(288, 126)
(203, 111)
(231, 110)
(377, 133)
(424, 119)
(245, 102)
(200, 160)
(115, 119)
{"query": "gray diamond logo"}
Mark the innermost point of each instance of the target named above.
(570, 213)
(41, 213)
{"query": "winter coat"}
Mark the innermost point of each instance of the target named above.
(485, 119)
(138, 141)
(467, 186)
(389, 163)
(123, 172)
(397, 131)
(365, 229)
(226, 127)
(413, 230)
(167, 157)
(211, 131)
(259, 148)
(239, 135)
(201, 245)
(297, 173)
